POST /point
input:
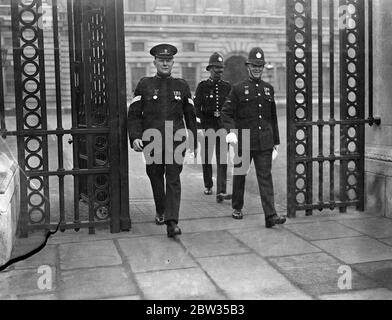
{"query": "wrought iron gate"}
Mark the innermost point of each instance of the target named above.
(98, 132)
(308, 152)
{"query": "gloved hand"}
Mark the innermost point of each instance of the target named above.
(200, 132)
(231, 138)
(275, 152)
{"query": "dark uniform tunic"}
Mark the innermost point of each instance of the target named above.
(158, 100)
(209, 100)
(251, 105)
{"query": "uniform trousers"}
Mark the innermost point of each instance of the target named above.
(207, 154)
(263, 165)
(166, 188)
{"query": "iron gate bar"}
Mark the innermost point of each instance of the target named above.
(116, 103)
(328, 205)
(36, 43)
(60, 149)
(2, 106)
(320, 95)
(125, 222)
(332, 123)
(75, 92)
(78, 172)
(352, 66)
(68, 226)
(299, 99)
(38, 132)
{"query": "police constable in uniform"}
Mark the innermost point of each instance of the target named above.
(209, 99)
(157, 100)
(251, 105)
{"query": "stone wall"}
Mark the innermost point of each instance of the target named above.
(378, 166)
(9, 206)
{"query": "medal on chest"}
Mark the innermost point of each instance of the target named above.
(267, 91)
(177, 95)
(246, 90)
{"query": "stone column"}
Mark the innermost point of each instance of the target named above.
(378, 149)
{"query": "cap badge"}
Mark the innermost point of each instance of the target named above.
(165, 50)
(258, 55)
(220, 59)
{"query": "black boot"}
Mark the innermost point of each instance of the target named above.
(172, 229)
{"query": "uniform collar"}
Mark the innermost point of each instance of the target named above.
(214, 81)
(157, 76)
(255, 80)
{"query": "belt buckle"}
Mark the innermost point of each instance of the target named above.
(216, 114)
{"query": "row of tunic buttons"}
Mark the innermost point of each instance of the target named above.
(259, 94)
(217, 97)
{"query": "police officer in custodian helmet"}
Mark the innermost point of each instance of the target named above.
(162, 103)
(251, 106)
(209, 98)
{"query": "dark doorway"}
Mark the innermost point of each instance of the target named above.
(235, 69)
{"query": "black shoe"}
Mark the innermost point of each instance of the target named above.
(237, 214)
(223, 196)
(159, 219)
(275, 219)
(173, 230)
(208, 191)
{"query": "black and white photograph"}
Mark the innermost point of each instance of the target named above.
(217, 152)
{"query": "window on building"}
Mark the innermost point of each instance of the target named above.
(189, 75)
(136, 74)
(137, 46)
(188, 6)
(236, 6)
(189, 46)
(136, 5)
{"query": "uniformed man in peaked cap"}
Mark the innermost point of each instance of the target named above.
(209, 99)
(251, 105)
(162, 103)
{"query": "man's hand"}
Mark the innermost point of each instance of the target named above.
(138, 145)
(231, 138)
(275, 152)
(200, 132)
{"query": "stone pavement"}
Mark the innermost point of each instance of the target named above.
(217, 257)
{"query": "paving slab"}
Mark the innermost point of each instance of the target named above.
(39, 297)
(380, 271)
(214, 243)
(249, 277)
(45, 257)
(227, 223)
(24, 282)
(274, 242)
(182, 284)
(387, 241)
(356, 250)
(322, 230)
(371, 294)
(135, 297)
(96, 283)
(317, 273)
(155, 253)
(376, 227)
(88, 255)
